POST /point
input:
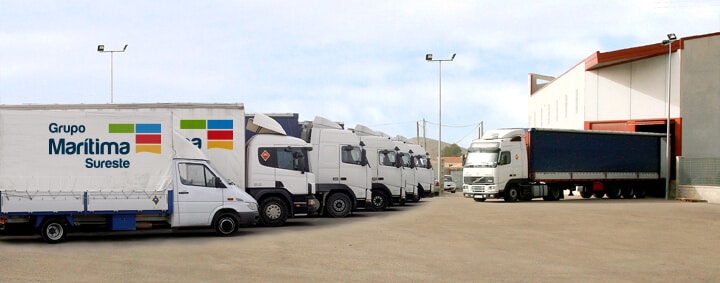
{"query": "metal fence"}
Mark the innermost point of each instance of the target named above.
(698, 171)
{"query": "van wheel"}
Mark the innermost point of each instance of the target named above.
(53, 230)
(511, 194)
(225, 224)
(379, 201)
(338, 205)
(273, 212)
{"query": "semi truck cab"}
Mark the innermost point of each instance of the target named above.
(494, 161)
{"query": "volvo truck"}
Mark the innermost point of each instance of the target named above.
(522, 164)
(339, 161)
(385, 167)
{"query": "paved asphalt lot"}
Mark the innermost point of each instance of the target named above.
(441, 239)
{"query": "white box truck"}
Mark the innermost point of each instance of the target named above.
(121, 167)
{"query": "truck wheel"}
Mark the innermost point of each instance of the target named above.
(511, 194)
(273, 212)
(586, 194)
(225, 224)
(338, 205)
(639, 193)
(53, 230)
(379, 201)
(614, 192)
(598, 194)
(627, 192)
(553, 194)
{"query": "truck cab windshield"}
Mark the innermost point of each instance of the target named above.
(482, 157)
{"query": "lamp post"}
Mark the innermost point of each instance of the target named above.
(671, 37)
(101, 49)
(429, 58)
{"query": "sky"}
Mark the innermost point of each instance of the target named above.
(356, 62)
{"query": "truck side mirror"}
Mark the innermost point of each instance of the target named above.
(363, 159)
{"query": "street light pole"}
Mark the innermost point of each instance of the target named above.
(101, 49)
(429, 58)
(668, 42)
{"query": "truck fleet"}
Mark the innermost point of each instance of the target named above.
(120, 167)
(522, 164)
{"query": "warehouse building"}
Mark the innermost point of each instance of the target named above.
(628, 90)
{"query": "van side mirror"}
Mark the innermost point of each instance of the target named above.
(219, 183)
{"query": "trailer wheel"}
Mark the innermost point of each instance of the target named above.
(640, 193)
(614, 192)
(599, 194)
(338, 205)
(225, 224)
(273, 212)
(627, 192)
(379, 201)
(586, 194)
(53, 230)
(511, 194)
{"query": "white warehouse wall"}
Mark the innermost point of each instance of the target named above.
(632, 91)
(560, 103)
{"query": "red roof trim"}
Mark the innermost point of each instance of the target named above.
(612, 58)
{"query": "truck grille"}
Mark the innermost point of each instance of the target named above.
(478, 180)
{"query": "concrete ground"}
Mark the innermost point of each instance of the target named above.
(443, 239)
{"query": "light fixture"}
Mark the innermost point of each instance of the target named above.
(429, 58)
(101, 49)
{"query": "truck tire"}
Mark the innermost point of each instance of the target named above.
(627, 192)
(225, 224)
(553, 194)
(338, 205)
(53, 230)
(613, 192)
(273, 212)
(512, 194)
(640, 193)
(379, 201)
(586, 194)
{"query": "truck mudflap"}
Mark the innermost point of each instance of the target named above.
(248, 218)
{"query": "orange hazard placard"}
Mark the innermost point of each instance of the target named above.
(265, 155)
